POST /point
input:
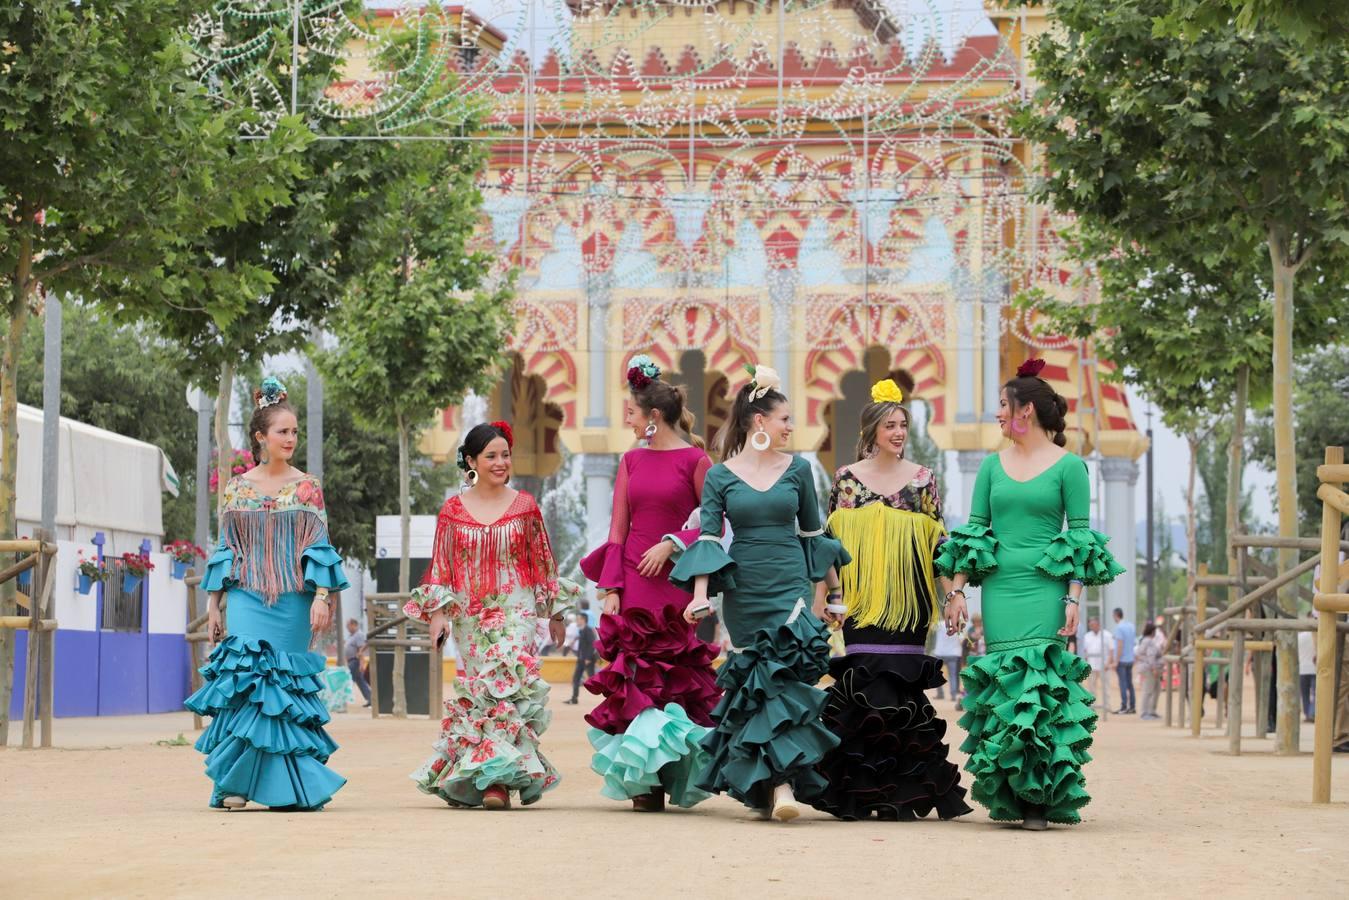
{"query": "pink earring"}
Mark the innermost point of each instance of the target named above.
(1019, 426)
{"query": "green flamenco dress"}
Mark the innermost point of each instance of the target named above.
(768, 729)
(1028, 718)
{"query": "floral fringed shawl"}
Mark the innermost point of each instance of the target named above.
(475, 560)
(274, 545)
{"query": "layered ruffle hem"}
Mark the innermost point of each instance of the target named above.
(891, 761)
(1029, 722)
(659, 690)
(266, 741)
(768, 729)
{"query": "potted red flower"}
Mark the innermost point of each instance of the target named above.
(90, 570)
(134, 568)
(184, 554)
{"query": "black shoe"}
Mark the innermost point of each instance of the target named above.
(1033, 819)
(1131, 711)
(1341, 748)
(1121, 711)
(573, 701)
(365, 705)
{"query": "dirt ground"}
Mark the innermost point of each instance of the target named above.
(115, 813)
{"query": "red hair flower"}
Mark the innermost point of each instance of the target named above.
(505, 429)
(638, 379)
(1031, 368)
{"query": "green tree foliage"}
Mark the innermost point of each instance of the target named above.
(1304, 20)
(360, 473)
(111, 162)
(1152, 139)
(1321, 411)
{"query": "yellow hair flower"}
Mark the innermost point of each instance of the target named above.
(886, 392)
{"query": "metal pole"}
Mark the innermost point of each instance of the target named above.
(51, 420)
(201, 531)
(314, 416)
(1151, 573)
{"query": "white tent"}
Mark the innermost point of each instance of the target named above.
(108, 483)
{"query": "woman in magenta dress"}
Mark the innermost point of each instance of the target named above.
(659, 687)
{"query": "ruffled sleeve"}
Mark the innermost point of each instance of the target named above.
(565, 598)
(322, 567)
(604, 565)
(705, 556)
(971, 549)
(219, 574)
(823, 552)
(428, 598)
(1079, 554)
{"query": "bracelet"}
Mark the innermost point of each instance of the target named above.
(321, 594)
(951, 593)
(1069, 600)
(837, 609)
(835, 594)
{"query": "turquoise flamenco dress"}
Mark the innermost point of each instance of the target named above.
(1028, 718)
(266, 741)
(768, 729)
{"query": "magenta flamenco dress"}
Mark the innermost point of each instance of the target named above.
(659, 688)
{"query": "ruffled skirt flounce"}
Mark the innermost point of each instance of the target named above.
(1029, 724)
(891, 761)
(659, 690)
(768, 729)
(490, 734)
(266, 741)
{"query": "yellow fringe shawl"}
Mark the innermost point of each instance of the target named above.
(887, 546)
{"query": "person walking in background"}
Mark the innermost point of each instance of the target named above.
(585, 656)
(1098, 649)
(355, 651)
(1125, 639)
(1149, 662)
(947, 648)
(1306, 669)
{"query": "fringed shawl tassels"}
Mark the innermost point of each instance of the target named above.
(891, 548)
(269, 546)
(477, 560)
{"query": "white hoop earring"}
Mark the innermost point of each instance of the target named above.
(754, 440)
(649, 433)
(471, 477)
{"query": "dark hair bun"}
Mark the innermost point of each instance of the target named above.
(477, 439)
(1050, 408)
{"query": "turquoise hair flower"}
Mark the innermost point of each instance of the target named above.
(644, 364)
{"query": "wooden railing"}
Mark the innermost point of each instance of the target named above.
(40, 559)
(388, 628)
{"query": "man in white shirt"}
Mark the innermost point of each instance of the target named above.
(1098, 649)
(1306, 669)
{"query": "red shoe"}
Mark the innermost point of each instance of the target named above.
(496, 797)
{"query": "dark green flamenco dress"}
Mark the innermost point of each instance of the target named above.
(1028, 717)
(768, 730)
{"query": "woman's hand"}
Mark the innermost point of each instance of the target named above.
(655, 558)
(696, 604)
(320, 616)
(835, 618)
(956, 615)
(1069, 620)
(557, 630)
(215, 628)
(440, 627)
(613, 602)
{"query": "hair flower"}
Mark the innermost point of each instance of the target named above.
(765, 379)
(506, 432)
(270, 392)
(886, 392)
(642, 370)
(1031, 368)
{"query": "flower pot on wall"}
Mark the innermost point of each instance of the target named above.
(131, 583)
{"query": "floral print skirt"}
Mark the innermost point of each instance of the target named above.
(490, 733)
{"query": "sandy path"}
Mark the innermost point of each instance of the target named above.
(113, 814)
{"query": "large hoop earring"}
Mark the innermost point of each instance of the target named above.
(649, 433)
(471, 477)
(1024, 427)
(754, 440)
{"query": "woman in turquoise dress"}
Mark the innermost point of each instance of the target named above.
(266, 742)
(1028, 718)
(768, 737)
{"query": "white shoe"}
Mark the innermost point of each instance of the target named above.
(234, 803)
(784, 803)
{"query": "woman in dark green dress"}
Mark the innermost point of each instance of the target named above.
(1029, 718)
(768, 737)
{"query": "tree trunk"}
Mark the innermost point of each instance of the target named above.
(1285, 461)
(1191, 517)
(9, 460)
(1235, 463)
(400, 700)
(222, 437)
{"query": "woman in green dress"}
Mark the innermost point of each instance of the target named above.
(768, 737)
(1028, 717)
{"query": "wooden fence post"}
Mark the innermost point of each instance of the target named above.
(1326, 633)
(1197, 669)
